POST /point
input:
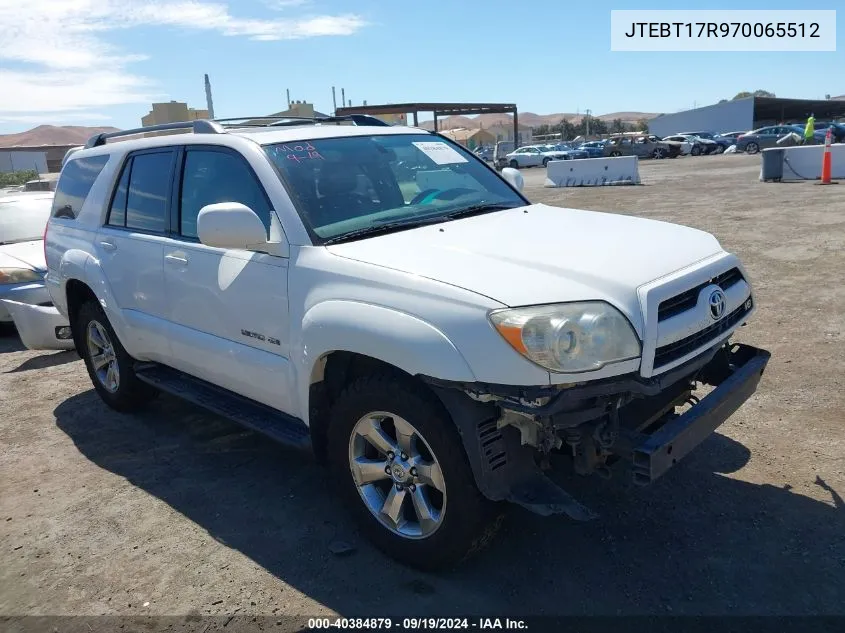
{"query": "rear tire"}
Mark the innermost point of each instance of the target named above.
(546, 163)
(109, 366)
(695, 151)
(463, 522)
(752, 148)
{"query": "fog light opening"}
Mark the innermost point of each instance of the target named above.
(63, 333)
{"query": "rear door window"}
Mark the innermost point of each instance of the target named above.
(75, 183)
(141, 199)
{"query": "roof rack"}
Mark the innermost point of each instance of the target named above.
(200, 126)
(218, 126)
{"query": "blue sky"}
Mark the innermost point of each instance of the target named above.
(90, 62)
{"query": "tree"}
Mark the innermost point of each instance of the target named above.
(596, 126)
(617, 126)
(642, 125)
(757, 93)
(14, 178)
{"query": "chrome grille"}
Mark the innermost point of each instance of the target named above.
(687, 299)
(673, 351)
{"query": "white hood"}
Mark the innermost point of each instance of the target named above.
(23, 255)
(541, 254)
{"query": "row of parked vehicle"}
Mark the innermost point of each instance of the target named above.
(753, 141)
(640, 145)
(698, 143)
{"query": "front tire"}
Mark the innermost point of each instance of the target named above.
(398, 462)
(752, 148)
(513, 164)
(109, 366)
(696, 150)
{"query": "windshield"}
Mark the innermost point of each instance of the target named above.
(23, 219)
(350, 184)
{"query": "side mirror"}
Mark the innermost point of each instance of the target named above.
(230, 225)
(514, 178)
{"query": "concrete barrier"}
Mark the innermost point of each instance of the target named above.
(591, 172)
(803, 162)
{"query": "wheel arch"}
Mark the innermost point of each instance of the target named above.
(341, 340)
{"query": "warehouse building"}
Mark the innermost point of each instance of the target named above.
(746, 114)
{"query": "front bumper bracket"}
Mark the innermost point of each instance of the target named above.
(656, 453)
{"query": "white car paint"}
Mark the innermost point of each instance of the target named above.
(23, 214)
(418, 299)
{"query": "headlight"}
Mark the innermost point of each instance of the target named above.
(569, 337)
(18, 275)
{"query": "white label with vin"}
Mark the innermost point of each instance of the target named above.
(440, 153)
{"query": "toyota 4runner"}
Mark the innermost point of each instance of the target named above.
(432, 335)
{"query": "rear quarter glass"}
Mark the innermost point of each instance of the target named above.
(75, 182)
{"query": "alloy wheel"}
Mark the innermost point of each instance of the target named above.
(397, 475)
(103, 357)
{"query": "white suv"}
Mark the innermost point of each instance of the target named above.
(380, 294)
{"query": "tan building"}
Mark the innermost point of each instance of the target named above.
(504, 132)
(296, 109)
(172, 112)
(470, 138)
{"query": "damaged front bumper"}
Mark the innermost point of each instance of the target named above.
(652, 423)
(735, 380)
(39, 327)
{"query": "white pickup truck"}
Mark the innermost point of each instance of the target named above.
(432, 335)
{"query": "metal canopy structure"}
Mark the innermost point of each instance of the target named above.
(438, 110)
(777, 109)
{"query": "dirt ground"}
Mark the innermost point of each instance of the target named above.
(178, 512)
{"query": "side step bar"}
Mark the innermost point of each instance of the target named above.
(253, 415)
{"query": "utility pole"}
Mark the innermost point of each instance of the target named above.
(287, 91)
(343, 97)
(334, 101)
(587, 117)
(209, 104)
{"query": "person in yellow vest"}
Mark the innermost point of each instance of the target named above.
(810, 130)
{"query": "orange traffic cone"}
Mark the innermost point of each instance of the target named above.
(826, 158)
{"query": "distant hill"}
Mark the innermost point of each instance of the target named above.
(529, 118)
(53, 135)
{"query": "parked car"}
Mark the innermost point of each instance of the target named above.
(535, 156)
(500, 152)
(485, 153)
(761, 138)
(23, 295)
(722, 143)
(705, 145)
(566, 151)
(645, 146)
(837, 130)
(433, 347)
(594, 149)
(732, 136)
(689, 145)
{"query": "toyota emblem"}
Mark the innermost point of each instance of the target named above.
(717, 304)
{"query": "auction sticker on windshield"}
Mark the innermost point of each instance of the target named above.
(440, 153)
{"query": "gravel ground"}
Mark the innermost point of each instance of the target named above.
(178, 512)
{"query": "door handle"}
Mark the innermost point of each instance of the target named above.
(176, 259)
(108, 246)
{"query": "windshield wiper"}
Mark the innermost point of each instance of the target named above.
(399, 225)
(478, 209)
(384, 228)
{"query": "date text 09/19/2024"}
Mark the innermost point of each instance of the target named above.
(413, 624)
